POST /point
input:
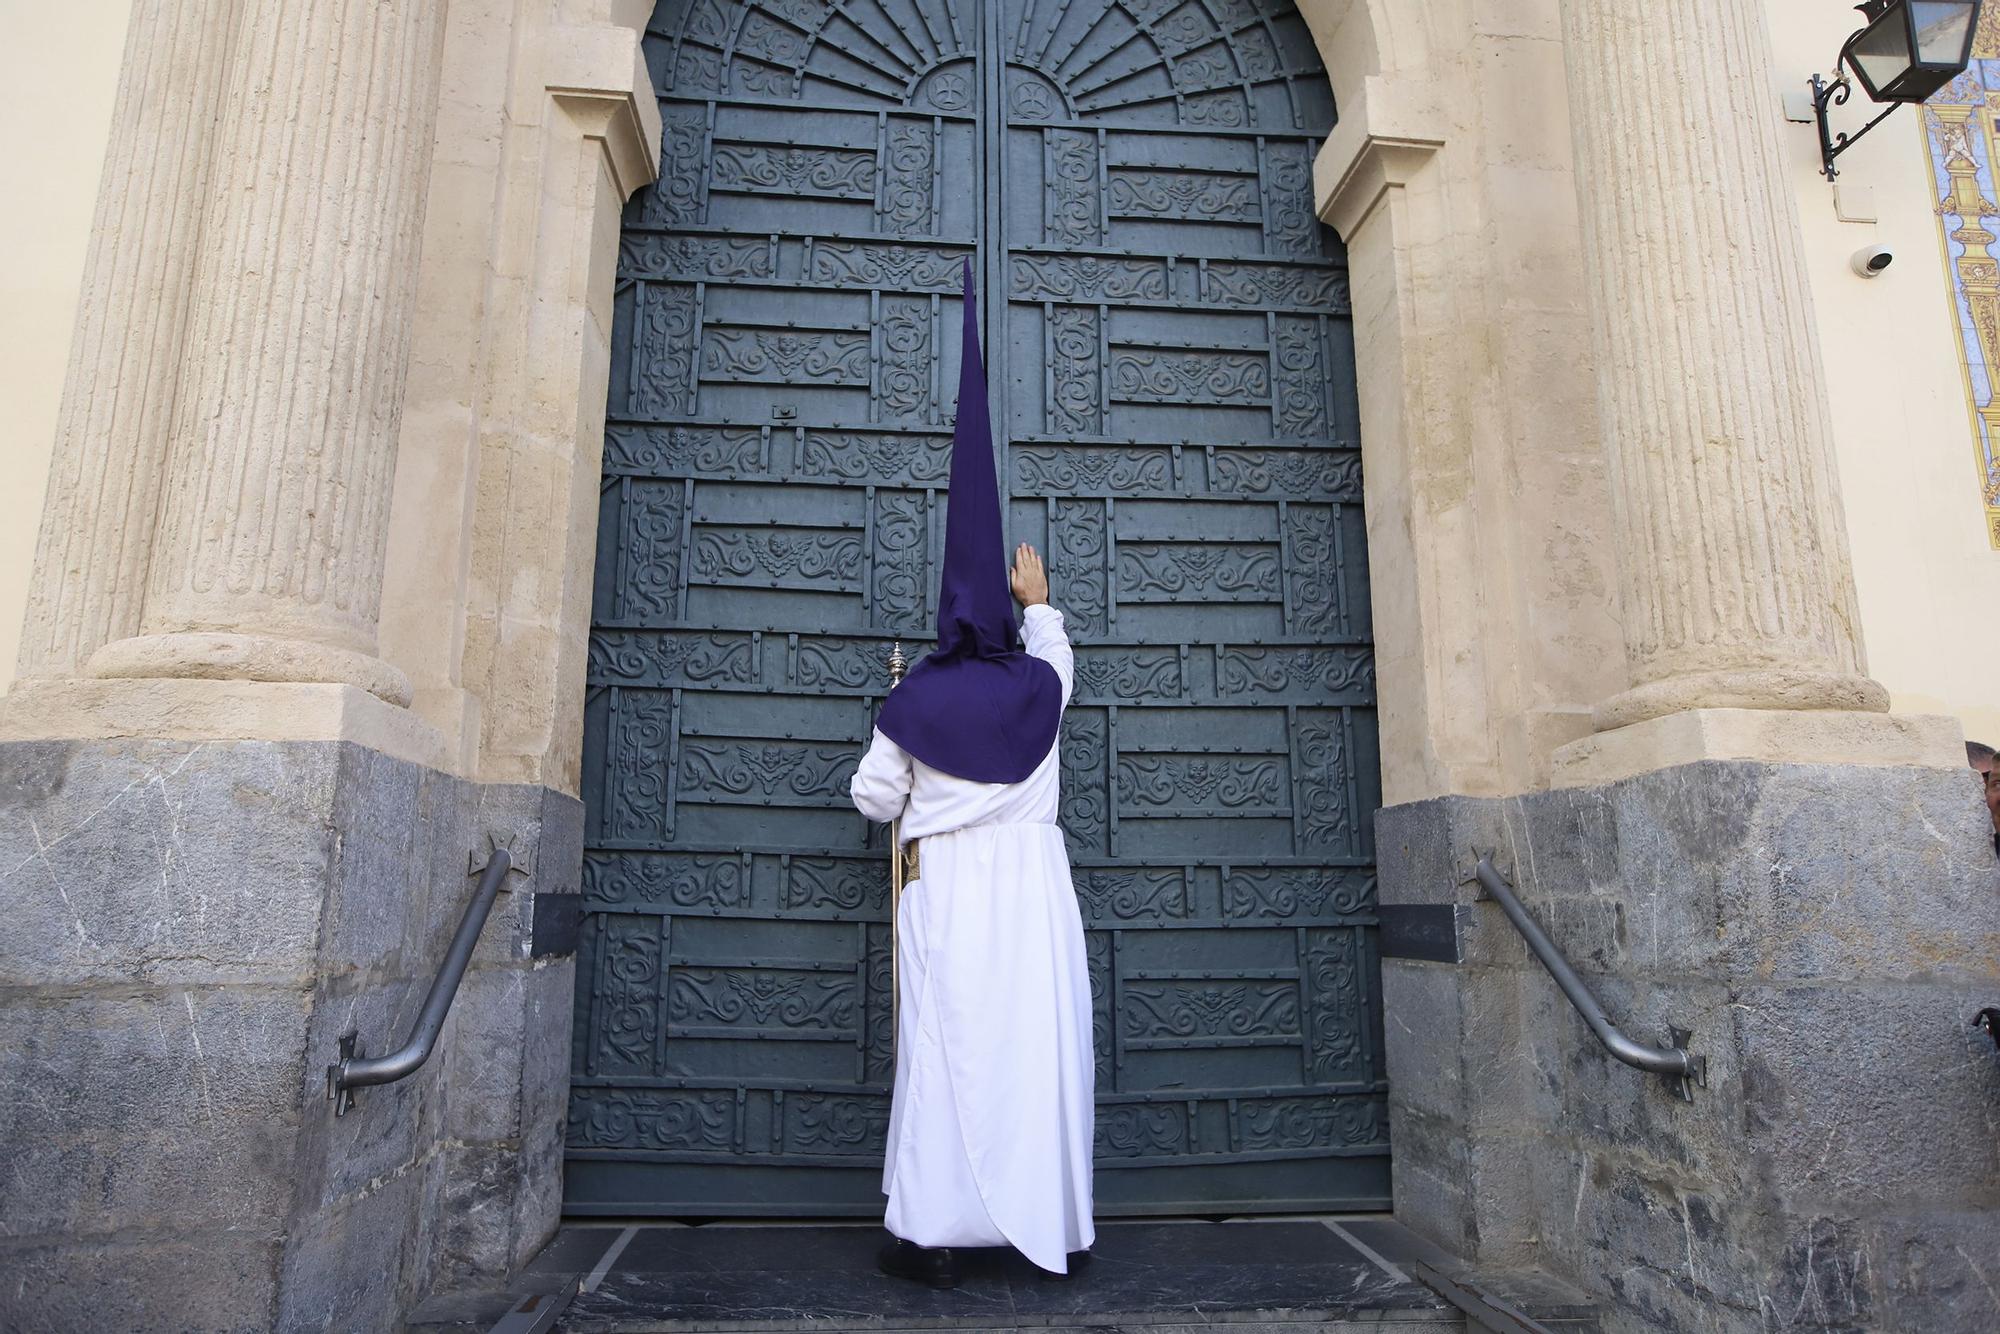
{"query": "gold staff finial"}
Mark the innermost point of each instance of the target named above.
(898, 664)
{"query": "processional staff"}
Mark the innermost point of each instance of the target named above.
(898, 664)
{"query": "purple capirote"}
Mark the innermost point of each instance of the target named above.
(976, 706)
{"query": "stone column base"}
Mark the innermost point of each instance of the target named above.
(64, 709)
(191, 926)
(1759, 688)
(1826, 931)
(1770, 736)
(218, 656)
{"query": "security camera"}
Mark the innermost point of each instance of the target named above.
(1871, 261)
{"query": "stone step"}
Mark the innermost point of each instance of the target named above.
(1290, 1275)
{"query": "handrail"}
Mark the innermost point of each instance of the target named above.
(354, 1070)
(1676, 1062)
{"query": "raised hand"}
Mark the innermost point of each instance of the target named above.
(1030, 580)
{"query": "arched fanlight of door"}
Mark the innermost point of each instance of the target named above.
(1908, 50)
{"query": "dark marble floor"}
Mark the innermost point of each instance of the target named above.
(1150, 1276)
(1339, 1275)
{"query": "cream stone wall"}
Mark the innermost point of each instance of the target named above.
(1449, 175)
(1928, 578)
(546, 130)
(58, 75)
(1452, 177)
(459, 537)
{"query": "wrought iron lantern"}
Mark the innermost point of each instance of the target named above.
(1908, 50)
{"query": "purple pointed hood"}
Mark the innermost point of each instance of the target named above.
(976, 707)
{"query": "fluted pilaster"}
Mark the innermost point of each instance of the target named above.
(267, 563)
(1737, 585)
(118, 398)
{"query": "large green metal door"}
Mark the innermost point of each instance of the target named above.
(1173, 375)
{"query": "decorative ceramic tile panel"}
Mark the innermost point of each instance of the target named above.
(1961, 134)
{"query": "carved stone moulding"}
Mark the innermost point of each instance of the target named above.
(200, 655)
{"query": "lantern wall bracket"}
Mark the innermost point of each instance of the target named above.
(1903, 52)
(1835, 93)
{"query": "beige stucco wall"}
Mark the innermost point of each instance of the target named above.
(58, 72)
(1471, 114)
(1928, 577)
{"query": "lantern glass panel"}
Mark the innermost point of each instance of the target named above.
(1943, 30)
(1881, 53)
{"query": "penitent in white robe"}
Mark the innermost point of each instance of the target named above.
(991, 1123)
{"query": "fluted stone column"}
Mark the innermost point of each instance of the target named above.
(118, 398)
(267, 563)
(1737, 586)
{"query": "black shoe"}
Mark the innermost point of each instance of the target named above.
(935, 1265)
(1077, 1260)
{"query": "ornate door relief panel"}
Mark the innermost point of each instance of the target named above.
(1174, 359)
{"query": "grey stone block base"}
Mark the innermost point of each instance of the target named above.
(187, 932)
(1827, 933)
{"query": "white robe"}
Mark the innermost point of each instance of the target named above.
(991, 1123)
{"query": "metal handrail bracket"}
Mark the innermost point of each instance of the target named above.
(1687, 1069)
(354, 1070)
